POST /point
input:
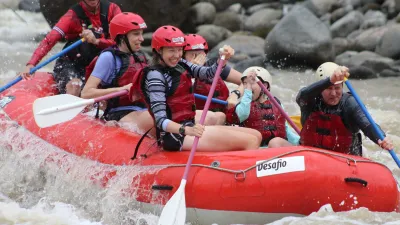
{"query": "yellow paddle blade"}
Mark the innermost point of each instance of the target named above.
(297, 121)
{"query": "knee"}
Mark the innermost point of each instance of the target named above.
(211, 119)
(277, 142)
(74, 87)
(221, 118)
(254, 141)
(258, 136)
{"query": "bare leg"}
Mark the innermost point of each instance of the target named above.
(211, 118)
(73, 87)
(223, 138)
(142, 119)
(246, 130)
(221, 118)
(278, 142)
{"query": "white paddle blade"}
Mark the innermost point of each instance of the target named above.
(174, 212)
(56, 109)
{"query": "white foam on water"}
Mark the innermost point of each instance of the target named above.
(49, 186)
(55, 213)
(327, 216)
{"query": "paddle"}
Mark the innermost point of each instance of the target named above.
(56, 109)
(364, 109)
(34, 69)
(213, 100)
(276, 104)
(174, 212)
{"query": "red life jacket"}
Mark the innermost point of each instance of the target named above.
(130, 65)
(86, 50)
(203, 88)
(326, 131)
(263, 117)
(180, 98)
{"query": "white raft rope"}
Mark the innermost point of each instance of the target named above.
(237, 173)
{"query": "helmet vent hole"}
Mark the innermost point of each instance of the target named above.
(167, 40)
(134, 23)
(165, 28)
(173, 29)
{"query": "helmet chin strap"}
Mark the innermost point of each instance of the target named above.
(126, 40)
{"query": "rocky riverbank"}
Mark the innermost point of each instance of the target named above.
(360, 34)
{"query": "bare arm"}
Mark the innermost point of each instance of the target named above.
(92, 90)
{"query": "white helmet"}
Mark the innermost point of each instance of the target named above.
(262, 74)
(326, 70)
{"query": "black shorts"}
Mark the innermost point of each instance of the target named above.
(173, 142)
(65, 70)
(117, 115)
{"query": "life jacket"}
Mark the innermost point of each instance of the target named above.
(264, 117)
(130, 65)
(327, 131)
(203, 88)
(180, 98)
(87, 51)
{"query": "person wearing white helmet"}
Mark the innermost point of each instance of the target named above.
(332, 119)
(255, 110)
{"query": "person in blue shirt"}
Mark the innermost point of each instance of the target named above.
(255, 110)
(115, 68)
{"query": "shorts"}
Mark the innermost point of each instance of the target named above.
(117, 115)
(65, 70)
(173, 142)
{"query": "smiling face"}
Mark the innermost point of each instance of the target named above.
(332, 95)
(135, 38)
(171, 55)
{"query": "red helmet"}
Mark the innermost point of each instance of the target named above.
(195, 42)
(167, 36)
(125, 22)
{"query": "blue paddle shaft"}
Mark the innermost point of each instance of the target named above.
(34, 69)
(213, 100)
(377, 130)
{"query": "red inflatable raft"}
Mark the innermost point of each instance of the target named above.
(256, 186)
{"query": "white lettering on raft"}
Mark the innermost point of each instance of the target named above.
(280, 165)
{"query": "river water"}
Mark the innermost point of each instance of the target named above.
(29, 195)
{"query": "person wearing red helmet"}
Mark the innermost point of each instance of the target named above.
(115, 68)
(87, 19)
(195, 52)
(167, 88)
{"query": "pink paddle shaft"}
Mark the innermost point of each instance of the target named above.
(278, 106)
(112, 95)
(203, 115)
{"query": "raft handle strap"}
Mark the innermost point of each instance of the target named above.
(162, 187)
(356, 180)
